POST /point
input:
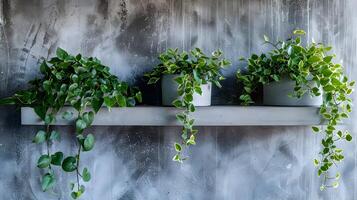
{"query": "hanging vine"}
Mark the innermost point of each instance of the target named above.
(193, 69)
(83, 83)
(314, 72)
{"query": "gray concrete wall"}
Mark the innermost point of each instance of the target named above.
(134, 163)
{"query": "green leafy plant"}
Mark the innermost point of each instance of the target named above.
(314, 72)
(85, 84)
(194, 69)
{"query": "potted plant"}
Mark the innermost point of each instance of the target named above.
(306, 73)
(83, 83)
(186, 79)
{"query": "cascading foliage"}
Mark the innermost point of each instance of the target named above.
(314, 72)
(194, 69)
(85, 84)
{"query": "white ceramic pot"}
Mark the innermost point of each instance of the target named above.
(169, 92)
(276, 94)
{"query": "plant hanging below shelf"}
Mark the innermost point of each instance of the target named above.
(193, 70)
(305, 65)
(85, 84)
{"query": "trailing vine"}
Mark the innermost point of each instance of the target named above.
(314, 72)
(83, 83)
(193, 69)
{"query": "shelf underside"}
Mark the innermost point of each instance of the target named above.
(204, 116)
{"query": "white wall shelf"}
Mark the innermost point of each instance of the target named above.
(205, 116)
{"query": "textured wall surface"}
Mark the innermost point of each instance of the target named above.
(134, 163)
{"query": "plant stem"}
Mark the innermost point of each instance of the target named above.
(77, 167)
(48, 142)
(79, 150)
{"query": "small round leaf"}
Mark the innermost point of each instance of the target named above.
(88, 142)
(56, 159)
(69, 164)
(40, 137)
(178, 147)
(80, 125)
(86, 176)
(44, 161)
(47, 182)
(348, 137)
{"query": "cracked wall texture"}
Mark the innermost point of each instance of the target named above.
(134, 163)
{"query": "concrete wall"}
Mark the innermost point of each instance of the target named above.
(130, 163)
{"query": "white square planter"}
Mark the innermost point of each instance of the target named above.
(276, 94)
(169, 92)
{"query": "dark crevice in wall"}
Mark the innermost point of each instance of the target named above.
(102, 8)
(123, 13)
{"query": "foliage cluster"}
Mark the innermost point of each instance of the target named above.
(85, 84)
(312, 69)
(193, 69)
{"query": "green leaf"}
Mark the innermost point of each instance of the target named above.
(86, 176)
(61, 54)
(69, 164)
(316, 129)
(7, 101)
(328, 59)
(196, 76)
(80, 139)
(177, 103)
(299, 32)
(322, 187)
(314, 59)
(198, 90)
(47, 85)
(88, 118)
(177, 158)
(327, 116)
(329, 88)
(138, 97)
(339, 133)
(181, 117)
(76, 195)
(47, 182)
(56, 159)
(121, 100)
(188, 98)
(352, 83)
(44, 161)
(73, 86)
(217, 84)
(191, 108)
(49, 119)
(266, 38)
(316, 162)
(96, 104)
(88, 142)
(191, 141)
(178, 147)
(67, 115)
(43, 67)
(80, 125)
(153, 80)
(40, 111)
(130, 101)
(78, 57)
(348, 137)
(55, 136)
(109, 101)
(40, 137)
(335, 184)
(274, 76)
